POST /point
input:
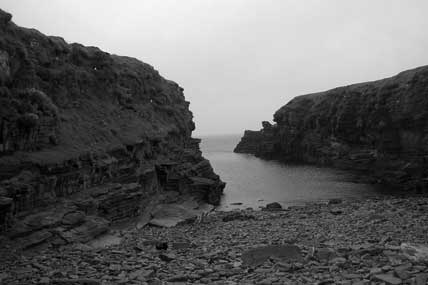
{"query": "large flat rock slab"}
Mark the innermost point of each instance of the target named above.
(259, 255)
(170, 215)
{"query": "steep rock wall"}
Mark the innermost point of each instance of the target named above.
(379, 128)
(75, 119)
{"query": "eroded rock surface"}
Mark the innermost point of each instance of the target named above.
(88, 138)
(379, 128)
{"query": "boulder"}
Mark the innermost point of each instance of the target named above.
(34, 239)
(334, 201)
(161, 245)
(275, 206)
(5, 18)
(415, 252)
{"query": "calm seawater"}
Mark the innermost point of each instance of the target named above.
(256, 182)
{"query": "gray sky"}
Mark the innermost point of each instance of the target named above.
(241, 60)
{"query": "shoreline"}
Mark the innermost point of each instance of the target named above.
(345, 242)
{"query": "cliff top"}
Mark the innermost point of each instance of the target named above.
(61, 100)
(383, 87)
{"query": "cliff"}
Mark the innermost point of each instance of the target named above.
(378, 128)
(88, 138)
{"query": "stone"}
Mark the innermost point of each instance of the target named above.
(105, 240)
(421, 279)
(334, 201)
(178, 278)
(5, 202)
(402, 274)
(376, 270)
(140, 274)
(336, 211)
(338, 260)
(92, 228)
(161, 245)
(167, 257)
(115, 267)
(326, 282)
(325, 254)
(169, 215)
(3, 276)
(388, 279)
(73, 218)
(419, 267)
(44, 280)
(83, 281)
(35, 239)
(257, 256)
(351, 276)
(181, 245)
(403, 267)
(275, 206)
(267, 281)
(414, 252)
(237, 215)
(362, 282)
(43, 220)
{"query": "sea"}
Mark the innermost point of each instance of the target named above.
(254, 182)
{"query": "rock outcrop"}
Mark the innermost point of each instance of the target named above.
(88, 138)
(379, 128)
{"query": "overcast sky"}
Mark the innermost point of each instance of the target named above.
(241, 60)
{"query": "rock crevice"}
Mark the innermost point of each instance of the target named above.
(98, 134)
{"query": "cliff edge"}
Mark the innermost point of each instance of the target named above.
(378, 128)
(88, 138)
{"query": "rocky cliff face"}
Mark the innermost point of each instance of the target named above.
(379, 128)
(90, 136)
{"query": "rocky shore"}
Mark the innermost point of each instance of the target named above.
(340, 242)
(378, 129)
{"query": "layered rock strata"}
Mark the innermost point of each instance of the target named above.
(379, 128)
(88, 138)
